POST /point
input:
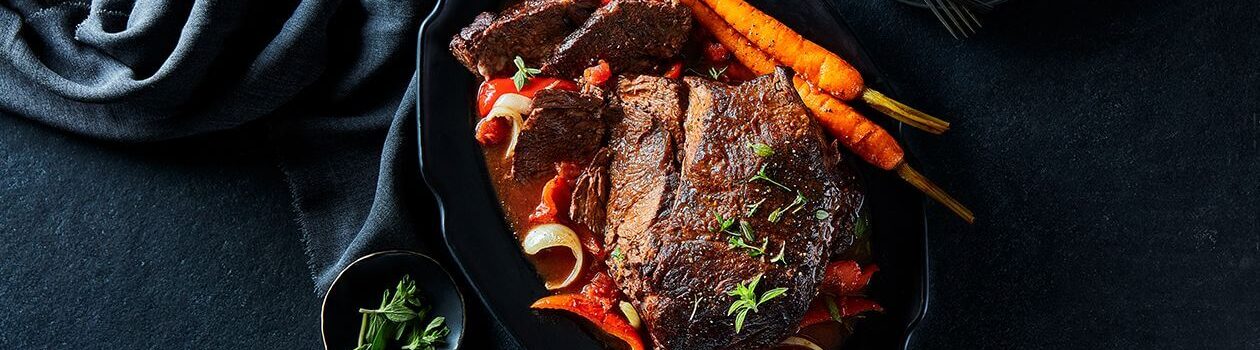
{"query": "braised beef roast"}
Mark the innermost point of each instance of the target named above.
(564, 126)
(531, 29)
(672, 172)
(633, 36)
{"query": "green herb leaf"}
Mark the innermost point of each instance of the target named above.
(761, 149)
(752, 209)
(771, 294)
(761, 175)
(775, 215)
(716, 74)
(739, 243)
(779, 258)
(723, 224)
(739, 320)
(821, 214)
(748, 300)
(395, 312)
(616, 255)
(523, 73)
(832, 308)
(861, 227)
(746, 229)
(799, 202)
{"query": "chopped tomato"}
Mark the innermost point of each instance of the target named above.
(598, 74)
(714, 52)
(592, 309)
(846, 278)
(602, 288)
(556, 195)
(494, 131)
(490, 90)
(675, 70)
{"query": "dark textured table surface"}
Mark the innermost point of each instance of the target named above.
(1109, 149)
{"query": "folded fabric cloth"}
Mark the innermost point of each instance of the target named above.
(331, 78)
(329, 75)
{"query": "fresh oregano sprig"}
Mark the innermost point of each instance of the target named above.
(748, 300)
(523, 73)
(401, 313)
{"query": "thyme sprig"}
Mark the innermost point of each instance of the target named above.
(716, 74)
(723, 224)
(753, 251)
(761, 175)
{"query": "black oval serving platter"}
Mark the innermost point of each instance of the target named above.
(488, 255)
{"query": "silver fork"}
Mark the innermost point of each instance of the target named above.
(958, 19)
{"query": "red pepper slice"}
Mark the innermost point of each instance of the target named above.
(490, 90)
(847, 278)
(593, 310)
(846, 306)
(557, 194)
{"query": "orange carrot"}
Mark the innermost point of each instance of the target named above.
(858, 134)
(825, 69)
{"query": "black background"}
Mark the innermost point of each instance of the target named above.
(1109, 149)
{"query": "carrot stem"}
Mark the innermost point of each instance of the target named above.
(904, 113)
(923, 184)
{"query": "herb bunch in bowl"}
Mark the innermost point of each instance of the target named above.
(402, 320)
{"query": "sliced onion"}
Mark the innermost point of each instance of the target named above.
(801, 342)
(513, 117)
(515, 102)
(512, 107)
(631, 315)
(556, 235)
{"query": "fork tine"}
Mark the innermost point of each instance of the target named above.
(965, 25)
(966, 10)
(953, 18)
(939, 17)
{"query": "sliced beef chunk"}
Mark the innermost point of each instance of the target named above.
(563, 126)
(644, 170)
(531, 29)
(666, 189)
(590, 192)
(633, 36)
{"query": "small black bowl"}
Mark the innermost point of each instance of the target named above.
(361, 284)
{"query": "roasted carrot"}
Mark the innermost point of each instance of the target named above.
(826, 70)
(866, 139)
(861, 136)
